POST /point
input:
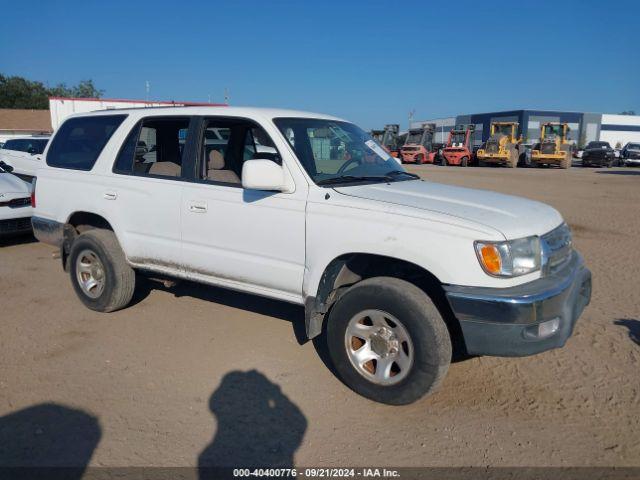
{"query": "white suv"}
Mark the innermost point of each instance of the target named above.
(308, 209)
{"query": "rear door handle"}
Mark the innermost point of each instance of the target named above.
(198, 207)
(110, 195)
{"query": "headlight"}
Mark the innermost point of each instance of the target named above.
(511, 258)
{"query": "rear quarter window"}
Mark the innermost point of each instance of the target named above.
(15, 145)
(79, 141)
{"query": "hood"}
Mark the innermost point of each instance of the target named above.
(514, 217)
(11, 184)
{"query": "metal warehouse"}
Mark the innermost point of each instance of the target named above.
(584, 127)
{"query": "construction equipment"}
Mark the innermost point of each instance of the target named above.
(502, 147)
(419, 147)
(377, 135)
(458, 149)
(554, 147)
(390, 139)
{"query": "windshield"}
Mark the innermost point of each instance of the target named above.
(502, 130)
(598, 145)
(414, 137)
(552, 130)
(329, 149)
(633, 146)
(458, 137)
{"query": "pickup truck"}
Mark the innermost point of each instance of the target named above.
(309, 209)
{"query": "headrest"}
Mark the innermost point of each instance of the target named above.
(216, 160)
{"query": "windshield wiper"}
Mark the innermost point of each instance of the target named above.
(352, 179)
(394, 173)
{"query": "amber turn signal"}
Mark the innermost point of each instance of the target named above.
(491, 259)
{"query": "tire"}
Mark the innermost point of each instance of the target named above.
(513, 157)
(96, 255)
(429, 344)
(566, 161)
(464, 162)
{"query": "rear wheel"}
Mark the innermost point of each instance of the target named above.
(512, 162)
(566, 160)
(464, 162)
(388, 341)
(100, 274)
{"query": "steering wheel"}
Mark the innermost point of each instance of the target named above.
(343, 168)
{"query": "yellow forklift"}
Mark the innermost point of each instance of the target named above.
(554, 147)
(502, 146)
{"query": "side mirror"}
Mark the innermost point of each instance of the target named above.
(5, 167)
(263, 174)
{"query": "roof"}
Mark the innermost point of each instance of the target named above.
(244, 112)
(148, 102)
(25, 120)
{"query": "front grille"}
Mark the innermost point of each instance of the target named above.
(548, 148)
(492, 146)
(15, 225)
(16, 203)
(557, 247)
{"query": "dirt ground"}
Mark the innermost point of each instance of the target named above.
(194, 375)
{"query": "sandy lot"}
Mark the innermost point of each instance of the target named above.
(194, 375)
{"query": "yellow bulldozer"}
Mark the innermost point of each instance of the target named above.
(502, 146)
(554, 147)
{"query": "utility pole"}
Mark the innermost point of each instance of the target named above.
(147, 87)
(411, 114)
(226, 95)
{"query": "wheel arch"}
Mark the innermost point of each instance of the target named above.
(348, 269)
(77, 223)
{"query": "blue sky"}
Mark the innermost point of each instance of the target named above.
(371, 62)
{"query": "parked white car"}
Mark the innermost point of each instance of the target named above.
(389, 268)
(24, 155)
(15, 203)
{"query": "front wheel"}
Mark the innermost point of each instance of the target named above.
(464, 162)
(388, 341)
(100, 274)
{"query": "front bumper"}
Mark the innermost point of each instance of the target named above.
(632, 161)
(597, 160)
(14, 226)
(500, 322)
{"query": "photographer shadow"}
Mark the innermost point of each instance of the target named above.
(47, 441)
(257, 425)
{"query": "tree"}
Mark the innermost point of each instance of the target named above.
(18, 92)
(628, 112)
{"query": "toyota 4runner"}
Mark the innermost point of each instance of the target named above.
(308, 209)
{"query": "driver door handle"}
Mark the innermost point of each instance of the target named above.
(198, 207)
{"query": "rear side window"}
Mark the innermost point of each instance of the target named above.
(16, 145)
(79, 141)
(154, 147)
